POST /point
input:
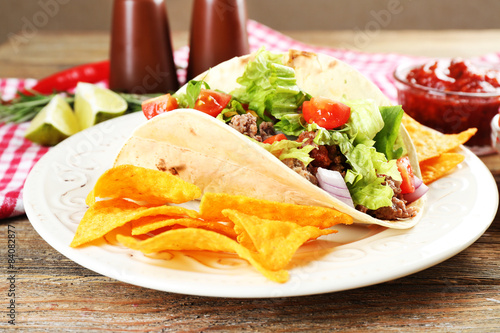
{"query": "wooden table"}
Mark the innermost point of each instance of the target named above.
(55, 294)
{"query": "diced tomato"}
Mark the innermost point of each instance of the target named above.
(326, 112)
(211, 102)
(275, 138)
(404, 167)
(154, 106)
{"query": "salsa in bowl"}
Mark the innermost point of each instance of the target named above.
(451, 95)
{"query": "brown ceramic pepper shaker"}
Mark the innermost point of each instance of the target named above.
(218, 33)
(141, 55)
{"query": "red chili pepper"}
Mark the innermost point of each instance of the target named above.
(68, 78)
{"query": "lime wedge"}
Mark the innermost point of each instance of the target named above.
(94, 104)
(54, 123)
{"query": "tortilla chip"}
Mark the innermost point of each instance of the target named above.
(212, 205)
(437, 167)
(200, 239)
(102, 217)
(106, 215)
(142, 184)
(275, 241)
(168, 211)
(151, 223)
(430, 143)
(110, 237)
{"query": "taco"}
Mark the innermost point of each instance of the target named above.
(273, 126)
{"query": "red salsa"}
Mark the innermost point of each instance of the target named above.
(455, 75)
(452, 96)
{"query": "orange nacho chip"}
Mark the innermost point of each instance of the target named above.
(151, 223)
(141, 184)
(200, 239)
(436, 167)
(212, 205)
(430, 143)
(274, 241)
(104, 216)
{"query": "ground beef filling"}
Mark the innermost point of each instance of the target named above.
(247, 124)
(301, 169)
(327, 157)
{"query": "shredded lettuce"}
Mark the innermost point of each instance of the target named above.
(289, 149)
(291, 124)
(268, 86)
(365, 120)
(371, 193)
(365, 186)
(387, 139)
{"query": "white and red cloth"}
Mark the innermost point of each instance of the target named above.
(18, 155)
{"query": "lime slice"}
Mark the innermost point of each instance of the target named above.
(94, 104)
(54, 123)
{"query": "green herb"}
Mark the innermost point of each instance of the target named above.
(24, 107)
(188, 99)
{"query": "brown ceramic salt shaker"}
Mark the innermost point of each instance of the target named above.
(141, 56)
(218, 33)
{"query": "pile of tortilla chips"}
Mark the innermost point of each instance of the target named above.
(435, 150)
(135, 205)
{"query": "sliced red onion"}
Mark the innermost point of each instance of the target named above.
(333, 183)
(420, 190)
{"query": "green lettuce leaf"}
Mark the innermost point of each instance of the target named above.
(362, 180)
(387, 139)
(365, 121)
(290, 124)
(371, 193)
(268, 86)
(289, 149)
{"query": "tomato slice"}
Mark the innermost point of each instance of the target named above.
(211, 102)
(326, 112)
(275, 138)
(154, 106)
(404, 168)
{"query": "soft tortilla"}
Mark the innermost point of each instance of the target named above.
(217, 158)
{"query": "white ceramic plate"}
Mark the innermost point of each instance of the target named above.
(460, 208)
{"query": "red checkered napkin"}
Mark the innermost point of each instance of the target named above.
(18, 155)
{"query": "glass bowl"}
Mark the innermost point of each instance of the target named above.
(449, 111)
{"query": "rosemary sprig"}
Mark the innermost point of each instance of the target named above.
(23, 108)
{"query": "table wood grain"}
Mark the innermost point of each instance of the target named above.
(54, 294)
